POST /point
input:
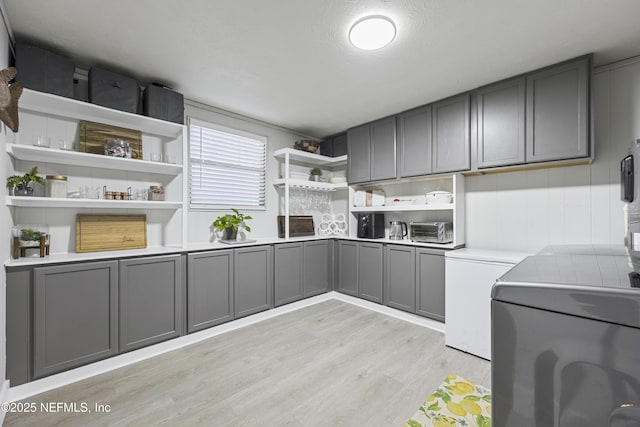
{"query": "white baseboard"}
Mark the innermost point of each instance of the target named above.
(12, 394)
(4, 395)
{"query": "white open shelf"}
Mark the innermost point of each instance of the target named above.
(311, 185)
(404, 208)
(63, 157)
(60, 106)
(53, 202)
(310, 158)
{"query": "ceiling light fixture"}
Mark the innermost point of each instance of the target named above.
(372, 32)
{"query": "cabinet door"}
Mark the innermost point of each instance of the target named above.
(383, 149)
(358, 159)
(501, 121)
(316, 267)
(253, 280)
(370, 271)
(18, 328)
(75, 315)
(288, 273)
(414, 142)
(400, 278)
(558, 112)
(209, 289)
(151, 299)
(430, 284)
(451, 143)
(339, 145)
(348, 267)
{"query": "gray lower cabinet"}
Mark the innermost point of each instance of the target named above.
(558, 112)
(370, 271)
(209, 289)
(358, 154)
(414, 142)
(18, 325)
(317, 267)
(151, 300)
(348, 267)
(430, 283)
(501, 124)
(451, 135)
(253, 280)
(288, 272)
(400, 277)
(75, 315)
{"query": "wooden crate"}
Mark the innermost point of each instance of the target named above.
(299, 226)
(94, 135)
(110, 232)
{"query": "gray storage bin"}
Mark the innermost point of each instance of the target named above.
(164, 104)
(113, 90)
(44, 71)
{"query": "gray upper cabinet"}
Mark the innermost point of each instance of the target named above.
(400, 277)
(383, 149)
(451, 137)
(317, 267)
(430, 284)
(370, 271)
(151, 300)
(348, 267)
(209, 289)
(359, 154)
(253, 280)
(75, 318)
(501, 124)
(558, 112)
(288, 272)
(372, 151)
(414, 142)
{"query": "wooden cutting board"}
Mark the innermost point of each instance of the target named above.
(110, 232)
(94, 135)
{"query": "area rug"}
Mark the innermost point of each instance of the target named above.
(456, 402)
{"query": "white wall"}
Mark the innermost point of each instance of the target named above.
(528, 210)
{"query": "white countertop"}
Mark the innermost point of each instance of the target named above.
(487, 255)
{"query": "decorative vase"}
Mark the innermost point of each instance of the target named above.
(314, 178)
(229, 233)
(22, 190)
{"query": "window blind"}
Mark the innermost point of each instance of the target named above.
(226, 167)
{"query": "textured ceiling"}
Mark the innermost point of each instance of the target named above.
(288, 62)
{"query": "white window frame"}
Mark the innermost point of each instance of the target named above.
(233, 131)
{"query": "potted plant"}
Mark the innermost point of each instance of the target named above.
(315, 174)
(230, 224)
(21, 185)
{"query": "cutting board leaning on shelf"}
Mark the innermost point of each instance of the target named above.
(110, 232)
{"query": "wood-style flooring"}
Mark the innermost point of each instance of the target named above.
(330, 364)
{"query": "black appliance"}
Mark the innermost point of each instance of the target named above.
(370, 225)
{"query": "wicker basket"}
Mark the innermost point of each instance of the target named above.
(307, 145)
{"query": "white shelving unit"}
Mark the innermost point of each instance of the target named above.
(57, 118)
(405, 208)
(289, 156)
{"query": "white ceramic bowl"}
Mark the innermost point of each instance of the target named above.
(438, 197)
(338, 179)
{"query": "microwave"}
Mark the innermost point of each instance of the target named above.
(431, 232)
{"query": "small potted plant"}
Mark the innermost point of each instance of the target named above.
(22, 185)
(315, 174)
(230, 224)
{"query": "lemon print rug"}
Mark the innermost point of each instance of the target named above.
(456, 402)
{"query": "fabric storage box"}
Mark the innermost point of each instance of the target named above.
(113, 90)
(44, 71)
(163, 103)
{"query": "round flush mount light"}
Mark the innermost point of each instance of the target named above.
(372, 32)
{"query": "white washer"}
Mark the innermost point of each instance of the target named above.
(469, 276)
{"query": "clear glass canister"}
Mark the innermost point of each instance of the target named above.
(156, 193)
(56, 186)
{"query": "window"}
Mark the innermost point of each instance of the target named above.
(226, 167)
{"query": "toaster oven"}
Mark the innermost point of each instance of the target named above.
(431, 232)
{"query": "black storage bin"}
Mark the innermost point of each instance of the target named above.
(44, 71)
(113, 90)
(164, 104)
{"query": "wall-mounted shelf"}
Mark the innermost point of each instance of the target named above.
(51, 202)
(52, 155)
(310, 158)
(404, 208)
(311, 185)
(59, 106)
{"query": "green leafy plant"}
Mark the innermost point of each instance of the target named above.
(28, 234)
(24, 180)
(315, 171)
(235, 221)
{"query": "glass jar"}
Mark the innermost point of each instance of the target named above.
(57, 186)
(117, 148)
(156, 193)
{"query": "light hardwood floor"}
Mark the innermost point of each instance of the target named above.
(331, 364)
